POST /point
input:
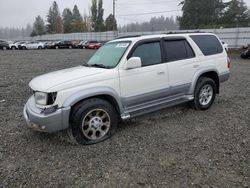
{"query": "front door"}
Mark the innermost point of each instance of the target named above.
(147, 83)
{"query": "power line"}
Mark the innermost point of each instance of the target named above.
(145, 3)
(147, 13)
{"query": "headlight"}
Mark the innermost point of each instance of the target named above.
(41, 98)
(45, 98)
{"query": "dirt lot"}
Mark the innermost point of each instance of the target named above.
(176, 147)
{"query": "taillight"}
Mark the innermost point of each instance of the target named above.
(228, 62)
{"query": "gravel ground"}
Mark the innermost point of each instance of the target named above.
(176, 147)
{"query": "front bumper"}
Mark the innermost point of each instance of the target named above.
(52, 122)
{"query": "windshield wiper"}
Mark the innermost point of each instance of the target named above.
(99, 66)
(85, 65)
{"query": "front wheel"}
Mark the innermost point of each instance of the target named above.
(204, 94)
(93, 121)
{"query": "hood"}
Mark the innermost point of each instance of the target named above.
(47, 81)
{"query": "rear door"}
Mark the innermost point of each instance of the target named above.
(182, 64)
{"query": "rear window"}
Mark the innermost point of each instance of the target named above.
(178, 50)
(208, 44)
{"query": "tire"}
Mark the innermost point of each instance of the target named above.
(13, 48)
(24, 48)
(39, 47)
(4, 48)
(92, 121)
(204, 94)
(70, 47)
(56, 47)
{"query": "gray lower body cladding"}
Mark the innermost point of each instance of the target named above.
(152, 101)
(224, 77)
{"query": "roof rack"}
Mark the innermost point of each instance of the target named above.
(183, 32)
(128, 36)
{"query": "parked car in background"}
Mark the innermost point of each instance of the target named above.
(225, 45)
(4, 45)
(20, 44)
(93, 45)
(75, 43)
(50, 44)
(82, 44)
(16, 45)
(32, 45)
(64, 44)
(246, 54)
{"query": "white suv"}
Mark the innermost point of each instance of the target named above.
(32, 45)
(125, 78)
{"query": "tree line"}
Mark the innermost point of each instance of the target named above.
(160, 23)
(10, 33)
(201, 14)
(197, 14)
(71, 21)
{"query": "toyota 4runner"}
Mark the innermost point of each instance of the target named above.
(125, 78)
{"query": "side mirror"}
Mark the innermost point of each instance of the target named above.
(132, 63)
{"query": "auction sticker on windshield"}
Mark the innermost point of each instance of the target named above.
(122, 45)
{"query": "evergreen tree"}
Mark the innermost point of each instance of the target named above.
(67, 20)
(38, 27)
(94, 15)
(76, 13)
(52, 17)
(78, 25)
(100, 11)
(236, 14)
(109, 23)
(97, 15)
(201, 14)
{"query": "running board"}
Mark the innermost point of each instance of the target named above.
(154, 106)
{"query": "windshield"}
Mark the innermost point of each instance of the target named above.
(109, 55)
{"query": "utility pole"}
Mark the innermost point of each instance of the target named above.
(114, 15)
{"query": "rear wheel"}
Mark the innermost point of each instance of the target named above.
(204, 94)
(13, 48)
(39, 47)
(4, 48)
(70, 47)
(92, 121)
(56, 47)
(24, 48)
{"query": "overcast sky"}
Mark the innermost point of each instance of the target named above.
(18, 13)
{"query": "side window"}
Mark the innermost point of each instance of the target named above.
(150, 53)
(178, 50)
(208, 44)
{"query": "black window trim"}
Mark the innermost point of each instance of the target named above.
(146, 41)
(179, 38)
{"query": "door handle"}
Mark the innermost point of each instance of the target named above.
(160, 73)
